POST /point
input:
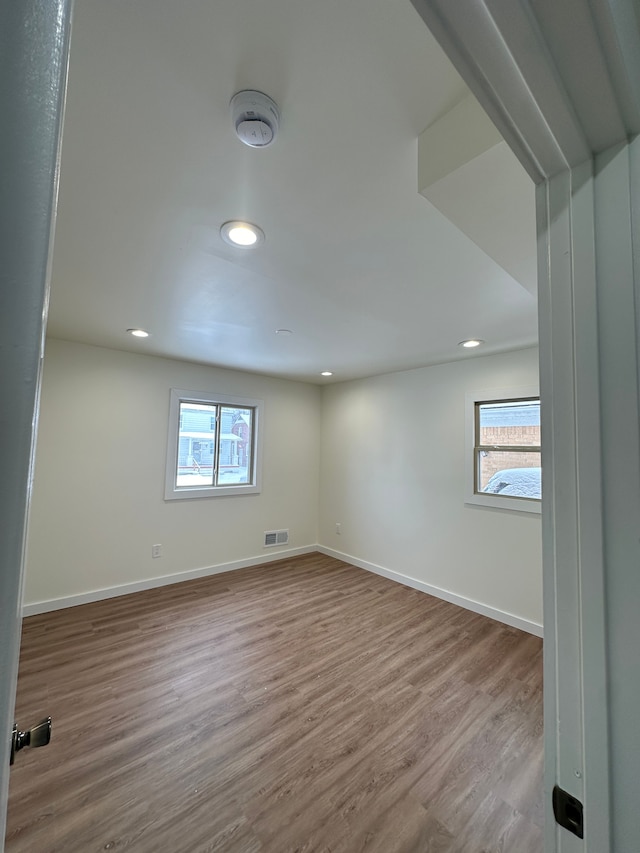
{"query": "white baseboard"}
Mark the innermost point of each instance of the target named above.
(444, 594)
(138, 586)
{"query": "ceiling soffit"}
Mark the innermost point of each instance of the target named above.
(567, 85)
(470, 174)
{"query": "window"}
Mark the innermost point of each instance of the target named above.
(503, 449)
(213, 446)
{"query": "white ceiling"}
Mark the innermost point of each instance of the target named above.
(367, 273)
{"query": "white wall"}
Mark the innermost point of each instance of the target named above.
(393, 477)
(98, 504)
(392, 474)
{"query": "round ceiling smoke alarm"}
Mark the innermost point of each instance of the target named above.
(255, 118)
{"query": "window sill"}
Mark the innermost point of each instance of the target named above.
(217, 492)
(530, 505)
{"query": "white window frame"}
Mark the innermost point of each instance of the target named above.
(505, 502)
(173, 492)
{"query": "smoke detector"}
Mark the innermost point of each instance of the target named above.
(255, 118)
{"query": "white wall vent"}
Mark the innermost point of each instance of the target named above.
(275, 537)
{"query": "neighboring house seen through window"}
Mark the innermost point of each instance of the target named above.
(503, 436)
(213, 446)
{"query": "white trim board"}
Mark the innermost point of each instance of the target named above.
(165, 580)
(444, 594)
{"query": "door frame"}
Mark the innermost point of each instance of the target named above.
(561, 82)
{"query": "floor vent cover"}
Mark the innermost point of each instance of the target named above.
(275, 537)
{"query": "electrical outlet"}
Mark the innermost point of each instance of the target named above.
(338, 528)
(156, 551)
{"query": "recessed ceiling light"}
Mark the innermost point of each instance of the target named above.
(242, 234)
(284, 332)
(326, 373)
(138, 333)
(473, 342)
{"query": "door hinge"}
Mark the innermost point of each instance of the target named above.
(567, 811)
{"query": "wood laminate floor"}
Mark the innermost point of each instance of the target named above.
(305, 705)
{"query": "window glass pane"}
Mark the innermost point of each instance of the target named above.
(509, 473)
(236, 442)
(196, 445)
(515, 422)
